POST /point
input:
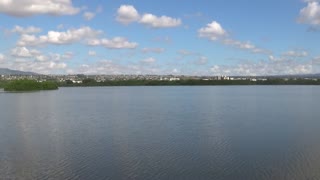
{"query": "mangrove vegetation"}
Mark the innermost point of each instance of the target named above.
(29, 85)
(187, 82)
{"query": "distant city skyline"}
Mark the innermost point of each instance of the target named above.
(207, 37)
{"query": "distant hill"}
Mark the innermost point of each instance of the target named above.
(6, 71)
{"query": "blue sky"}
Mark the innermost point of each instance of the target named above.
(207, 37)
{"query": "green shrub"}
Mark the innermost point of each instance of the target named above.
(29, 85)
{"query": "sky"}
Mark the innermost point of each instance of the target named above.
(205, 37)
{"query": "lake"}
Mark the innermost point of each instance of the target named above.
(182, 132)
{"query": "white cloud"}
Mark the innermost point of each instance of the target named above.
(194, 15)
(153, 50)
(316, 60)
(215, 32)
(24, 52)
(2, 57)
(99, 9)
(289, 55)
(41, 58)
(127, 14)
(29, 40)
(150, 60)
(175, 71)
(202, 60)
(275, 67)
(245, 46)
(75, 35)
(22, 8)
(293, 53)
(55, 57)
(184, 52)
(36, 61)
(281, 58)
(42, 67)
(27, 30)
(196, 57)
(88, 15)
(92, 53)
(310, 14)
(54, 65)
(114, 43)
(68, 55)
(59, 38)
(159, 22)
(165, 39)
(111, 67)
(60, 26)
(212, 31)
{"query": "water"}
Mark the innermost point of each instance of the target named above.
(221, 132)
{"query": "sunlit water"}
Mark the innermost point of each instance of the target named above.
(219, 132)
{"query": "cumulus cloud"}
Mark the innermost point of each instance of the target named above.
(165, 39)
(212, 31)
(127, 14)
(175, 71)
(54, 57)
(88, 15)
(99, 9)
(58, 37)
(114, 43)
(24, 52)
(54, 65)
(153, 50)
(295, 53)
(22, 58)
(215, 32)
(23, 8)
(41, 58)
(2, 57)
(84, 34)
(92, 53)
(273, 58)
(42, 67)
(29, 40)
(283, 67)
(60, 57)
(198, 58)
(68, 55)
(184, 52)
(111, 67)
(245, 46)
(150, 60)
(310, 14)
(100, 67)
(153, 21)
(316, 60)
(26, 30)
(202, 60)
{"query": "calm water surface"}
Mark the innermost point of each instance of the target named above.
(221, 132)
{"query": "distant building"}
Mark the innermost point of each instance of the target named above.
(226, 78)
(174, 79)
(76, 81)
